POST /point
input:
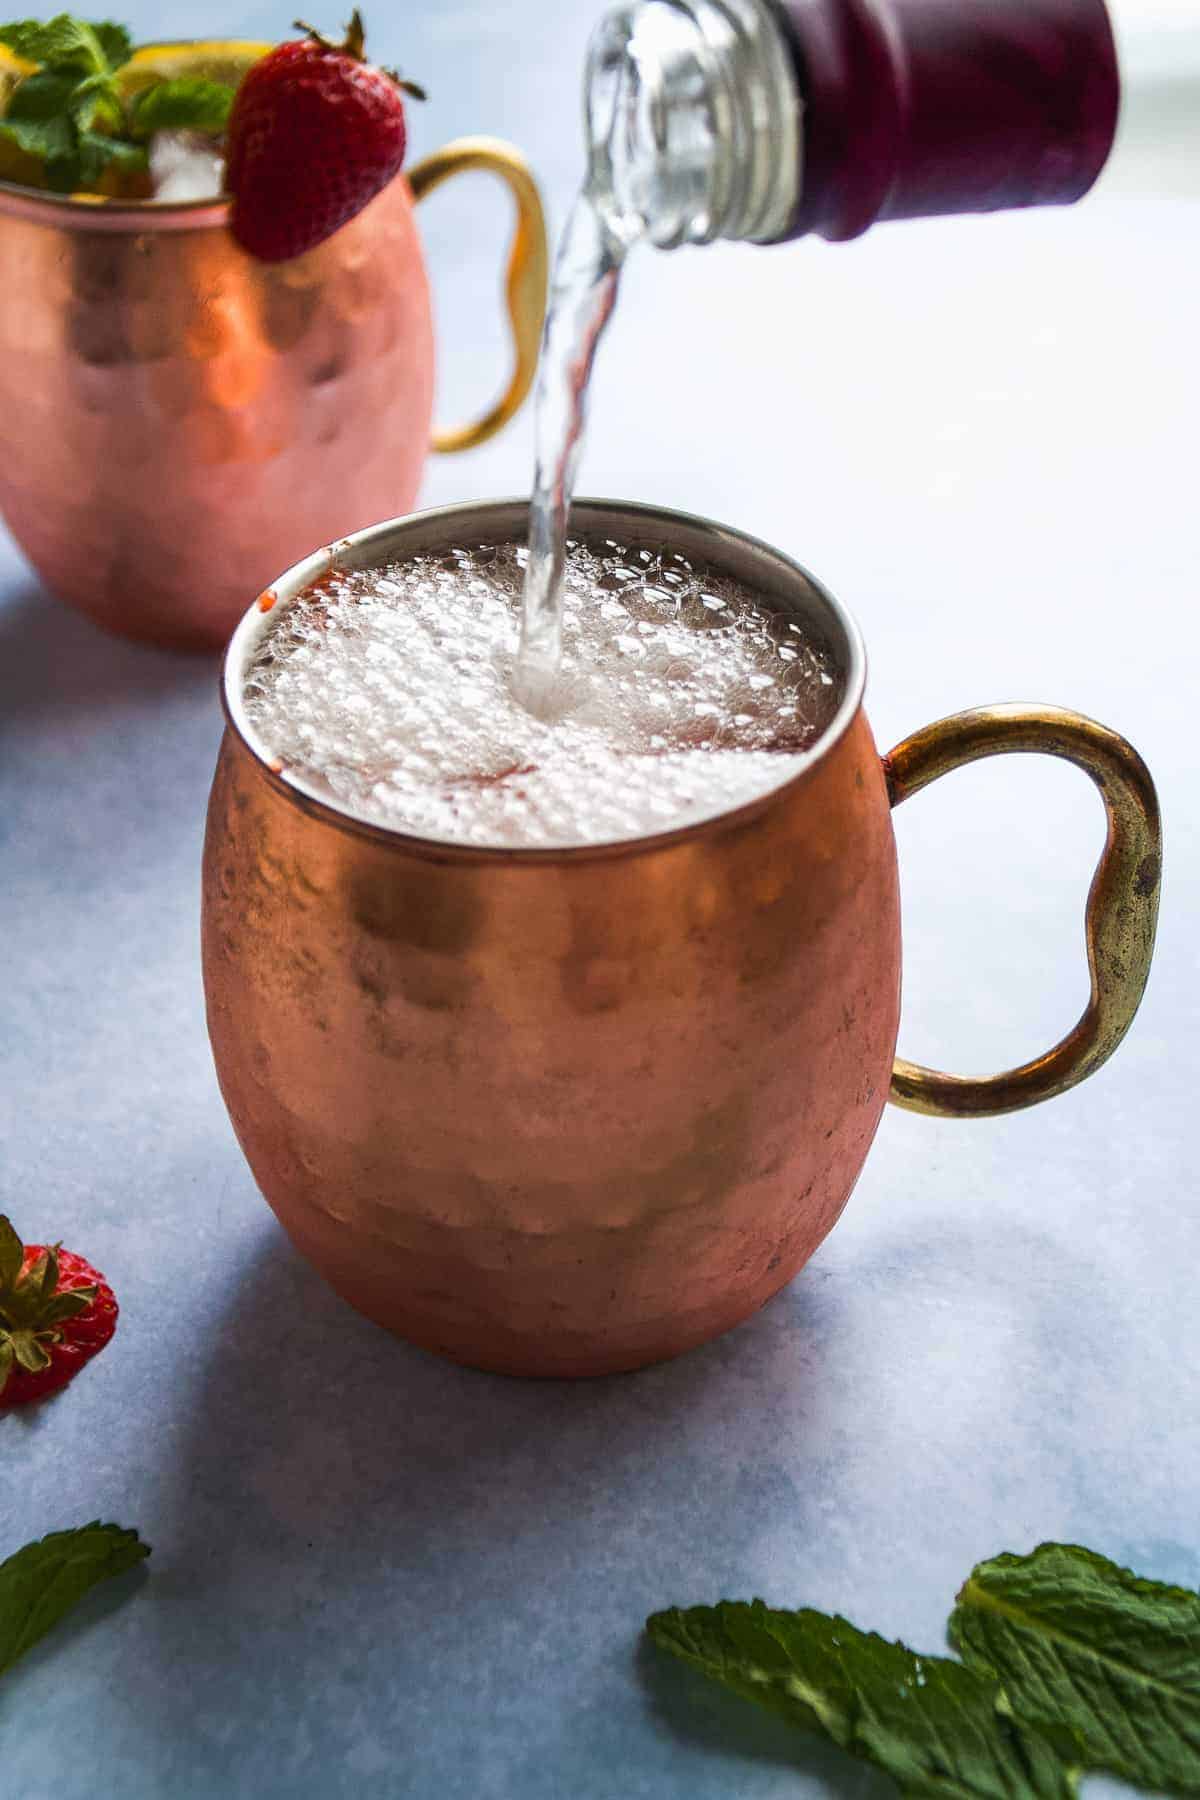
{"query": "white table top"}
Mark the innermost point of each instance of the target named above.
(377, 1574)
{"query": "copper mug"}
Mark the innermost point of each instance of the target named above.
(159, 388)
(568, 1112)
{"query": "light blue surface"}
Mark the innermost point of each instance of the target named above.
(374, 1574)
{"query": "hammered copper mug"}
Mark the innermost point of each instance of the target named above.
(567, 1112)
(160, 391)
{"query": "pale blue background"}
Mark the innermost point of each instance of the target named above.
(375, 1574)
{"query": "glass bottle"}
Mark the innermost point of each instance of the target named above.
(767, 120)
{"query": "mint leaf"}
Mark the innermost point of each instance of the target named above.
(941, 1730)
(42, 1582)
(1104, 1661)
(46, 95)
(188, 104)
(30, 39)
(63, 42)
(96, 103)
(115, 42)
(96, 152)
(47, 138)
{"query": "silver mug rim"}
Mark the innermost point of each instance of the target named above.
(506, 519)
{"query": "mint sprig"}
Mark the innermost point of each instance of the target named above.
(70, 112)
(45, 1580)
(66, 42)
(1069, 1663)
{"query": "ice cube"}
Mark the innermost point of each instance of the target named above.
(185, 166)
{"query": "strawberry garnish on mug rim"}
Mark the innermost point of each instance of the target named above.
(315, 133)
(56, 1313)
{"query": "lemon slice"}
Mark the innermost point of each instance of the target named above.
(11, 71)
(211, 59)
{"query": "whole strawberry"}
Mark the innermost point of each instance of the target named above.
(56, 1313)
(315, 133)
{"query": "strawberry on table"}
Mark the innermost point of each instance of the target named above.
(315, 133)
(56, 1313)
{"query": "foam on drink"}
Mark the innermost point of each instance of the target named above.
(390, 689)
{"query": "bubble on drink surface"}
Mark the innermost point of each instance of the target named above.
(391, 689)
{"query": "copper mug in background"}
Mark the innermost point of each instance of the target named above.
(567, 1112)
(160, 389)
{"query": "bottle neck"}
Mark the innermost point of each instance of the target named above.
(693, 121)
(772, 119)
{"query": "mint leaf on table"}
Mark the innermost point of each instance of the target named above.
(941, 1730)
(1105, 1662)
(42, 1582)
(189, 103)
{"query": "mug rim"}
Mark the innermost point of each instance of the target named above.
(42, 206)
(374, 543)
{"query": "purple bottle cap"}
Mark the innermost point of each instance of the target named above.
(915, 108)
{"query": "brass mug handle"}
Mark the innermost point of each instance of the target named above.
(1122, 906)
(525, 278)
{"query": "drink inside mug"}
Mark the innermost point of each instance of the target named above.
(682, 691)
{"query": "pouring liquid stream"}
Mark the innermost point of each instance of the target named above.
(583, 293)
(619, 205)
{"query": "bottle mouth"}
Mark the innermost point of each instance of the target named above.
(692, 121)
(652, 133)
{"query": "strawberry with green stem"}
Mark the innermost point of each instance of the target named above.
(315, 133)
(56, 1313)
